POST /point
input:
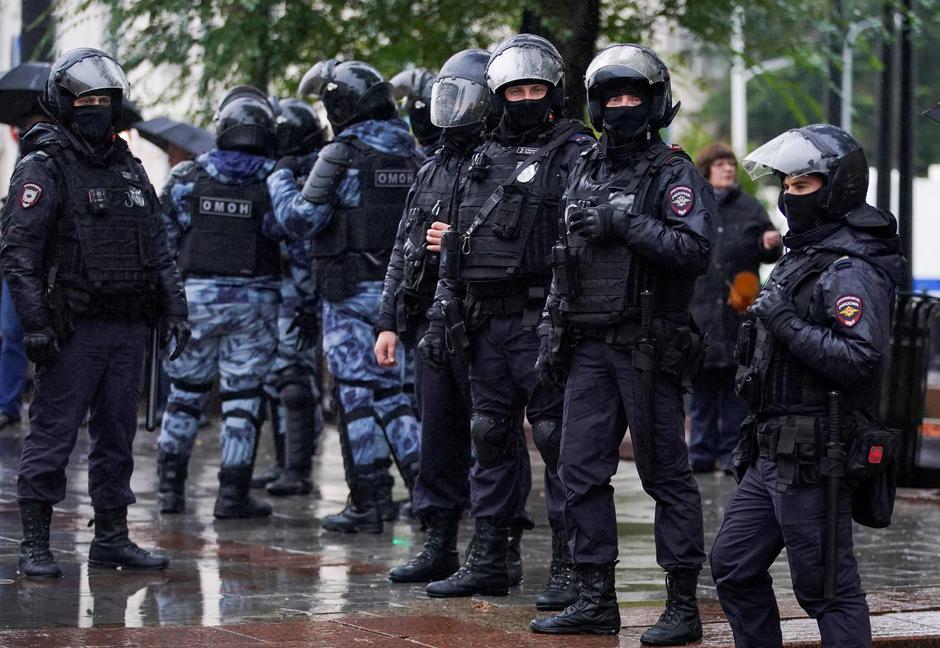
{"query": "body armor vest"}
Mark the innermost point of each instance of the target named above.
(604, 280)
(517, 236)
(225, 237)
(106, 243)
(357, 243)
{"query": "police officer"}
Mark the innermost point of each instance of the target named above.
(822, 325)
(413, 88)
(83, 250)
(349, 209)
(291, 384)
(459, 103)
(221, 226)
(638, 217)
(507, 221)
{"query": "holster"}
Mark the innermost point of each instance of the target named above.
(450, 256)
(794, 443)
(455, 327)
(566, 272)
(681, 353)
(745, 453)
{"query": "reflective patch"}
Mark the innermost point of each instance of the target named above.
(849, 310)
(681, 200)
(528, 173)
(233, 207)
(30, 195)
(394, 177)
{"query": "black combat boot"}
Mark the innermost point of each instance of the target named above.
(113, 548)
(514, 555)
(596, 610)
(172, 471)
(362, 513)
(233, 500)
(484, 571)
(438, 558)
(562, 588)
(680, 623)
(35, 557)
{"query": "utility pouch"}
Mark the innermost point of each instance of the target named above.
(413, 270)
(479, 166)
(745, 452)
(450, 256)
(506, 217)
(455, 328)
(681, 354)
(566, 271)
(872, 448)
(798, 451)
(744, 344)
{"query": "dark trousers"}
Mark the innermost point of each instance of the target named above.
(603, 395)
(716, 413)
(444, 403)
(759, 522)
(503, 383)
(98, 369)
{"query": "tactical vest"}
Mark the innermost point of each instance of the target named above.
(770, 378)
(357, 243)
(518, 233)
(225, 237)
(604, 280)
(106, 243)
(431, 201)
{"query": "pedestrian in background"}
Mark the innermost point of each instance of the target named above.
(743, 238)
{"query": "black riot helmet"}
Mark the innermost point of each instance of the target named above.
(351, 91)
(627, 64)
(413, 88)
(299, 131)
(460, 95)
(526, 58)
(245, 122)
(81, 72)
(823, 149)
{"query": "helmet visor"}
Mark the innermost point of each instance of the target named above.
(93, 73)
(791, 154)
(624, 61)
(458, 102)
(519, 63)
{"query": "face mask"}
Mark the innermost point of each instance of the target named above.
(525, 115)
(462, 138)
(93, 123)
(802, 212)
(626, 122)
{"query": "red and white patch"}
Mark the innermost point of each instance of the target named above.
(681, 200)
(30, 195)
(849, 310)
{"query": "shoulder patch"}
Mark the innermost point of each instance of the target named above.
(849, 310)
(681, 199)
(30, 195)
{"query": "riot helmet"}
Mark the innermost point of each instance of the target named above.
(822, 149)
(634, 69)
(245, 122)
(299, 131)
(351, 91)
(522, 59)
(82, 72)
(413, 88)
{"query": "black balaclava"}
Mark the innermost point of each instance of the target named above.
(625, 124)
(462, 139)
(92, 123)
(804, 212)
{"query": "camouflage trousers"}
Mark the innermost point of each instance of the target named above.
(378, 418)
(235, 342)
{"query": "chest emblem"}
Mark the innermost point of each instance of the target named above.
(849, 310)
(30, 195)
(134, 197)
(681, 200)
(528, 173)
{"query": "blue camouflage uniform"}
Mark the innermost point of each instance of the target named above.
(379, 417)
(234, 322)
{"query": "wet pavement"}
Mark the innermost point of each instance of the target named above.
(285, 581)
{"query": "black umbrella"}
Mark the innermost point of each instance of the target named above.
(20, 89)
(164, 131)
(934, 113)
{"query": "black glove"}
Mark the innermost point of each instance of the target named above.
(41, 347)
(292, 162)
(774, 310)
(307, 325)
(599, 223)
(176, 328)
(550, 367)
(432, 346)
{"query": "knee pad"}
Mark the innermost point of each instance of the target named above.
(547, 437)
(492, 438)
(296, 396)
(234, 410)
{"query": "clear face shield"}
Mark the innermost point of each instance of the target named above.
(624, 61)
(791, 154)
(523, 62)
(458, 102)
(91, 74)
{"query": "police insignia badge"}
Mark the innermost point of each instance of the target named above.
(528, 173)
(681, 200)
(30, 195)
(849, 310)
